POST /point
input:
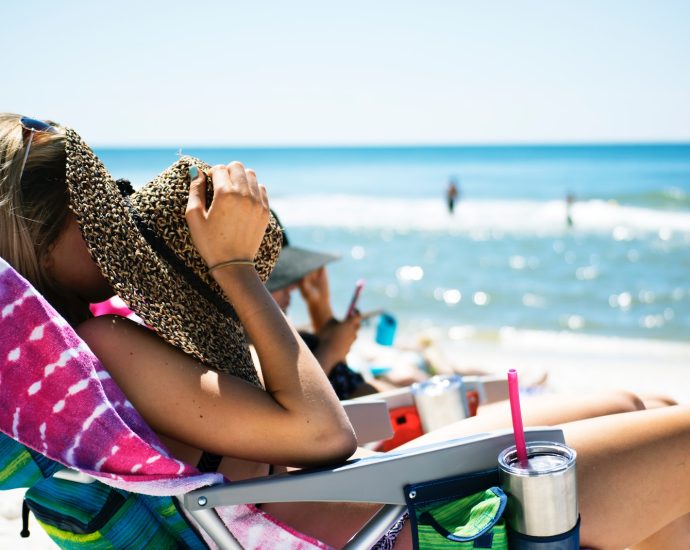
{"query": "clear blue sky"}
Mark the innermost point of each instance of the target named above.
(357, 72)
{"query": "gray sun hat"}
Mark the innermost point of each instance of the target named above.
(295, 263)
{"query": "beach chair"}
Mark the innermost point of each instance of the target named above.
(489, 388)
(384, 479)
(66, 425)
(153, 521)
(404, 416)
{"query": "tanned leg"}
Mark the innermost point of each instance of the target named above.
(633, 476)
(675, 535)
(335, 523)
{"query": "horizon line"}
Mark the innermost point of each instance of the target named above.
(469, 145)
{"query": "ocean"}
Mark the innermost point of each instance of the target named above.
(506, 261)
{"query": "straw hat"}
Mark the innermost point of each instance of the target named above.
(142, 245)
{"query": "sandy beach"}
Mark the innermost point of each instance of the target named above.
(570, 362)
(644, 367)
(576, 364)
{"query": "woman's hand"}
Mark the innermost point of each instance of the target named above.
(314, 286)
(316, 294)
(336, 339)
(233, 226)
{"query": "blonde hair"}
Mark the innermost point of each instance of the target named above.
(34, 205)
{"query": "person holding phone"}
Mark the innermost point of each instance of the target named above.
(332, 338)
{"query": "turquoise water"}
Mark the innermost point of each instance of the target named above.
(506, 258)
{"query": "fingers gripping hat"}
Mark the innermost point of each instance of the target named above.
(142, 245)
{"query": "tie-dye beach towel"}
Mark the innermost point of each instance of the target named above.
(57, 399)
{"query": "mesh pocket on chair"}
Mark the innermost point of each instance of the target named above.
(462, 512)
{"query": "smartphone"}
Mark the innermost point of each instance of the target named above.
(355, 296)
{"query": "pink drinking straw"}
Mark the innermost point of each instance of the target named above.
(518, 430)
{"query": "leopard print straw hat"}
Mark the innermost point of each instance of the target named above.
(142, 245)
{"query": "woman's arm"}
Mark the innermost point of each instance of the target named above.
(219, 413)
(298, 420)
(232, 229)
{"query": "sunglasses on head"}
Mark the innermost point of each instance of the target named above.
(33, 125)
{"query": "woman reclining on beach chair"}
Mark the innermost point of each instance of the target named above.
(79, 237)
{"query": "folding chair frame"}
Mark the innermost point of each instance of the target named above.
(378, 479)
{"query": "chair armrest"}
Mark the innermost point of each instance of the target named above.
(370, 419)
(398, 397)
(491, 388)
(378, 479)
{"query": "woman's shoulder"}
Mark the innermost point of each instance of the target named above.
(111, 326)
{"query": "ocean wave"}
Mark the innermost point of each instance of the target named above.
(670, 198)
(471, 216)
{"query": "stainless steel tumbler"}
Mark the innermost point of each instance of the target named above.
(542, 497)
(440, 400)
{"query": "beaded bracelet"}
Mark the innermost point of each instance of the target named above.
(230, 262)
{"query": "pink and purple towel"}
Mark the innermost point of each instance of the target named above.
(57, 399)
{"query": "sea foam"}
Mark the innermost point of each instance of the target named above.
(506, 216)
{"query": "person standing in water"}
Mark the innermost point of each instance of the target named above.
(452, 194)
(569, 200)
